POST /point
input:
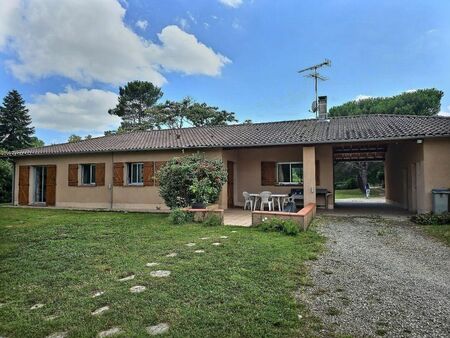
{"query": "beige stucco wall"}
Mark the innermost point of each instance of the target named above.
(402, 174)
(107, 196)
(413, 169)
(436, 167)
(248, 168)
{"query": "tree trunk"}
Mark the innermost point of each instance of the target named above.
(362, 175)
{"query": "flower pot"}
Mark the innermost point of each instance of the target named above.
(198, 205)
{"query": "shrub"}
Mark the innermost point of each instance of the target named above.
(190, 179)
(178, 216)
(212, 220)
(431, 219)
(288, 227)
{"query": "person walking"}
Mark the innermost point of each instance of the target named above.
(367, 188)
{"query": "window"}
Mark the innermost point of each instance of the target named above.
(290, 172)
(135, 173)
(88, 174)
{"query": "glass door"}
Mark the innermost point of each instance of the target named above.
(40, 180)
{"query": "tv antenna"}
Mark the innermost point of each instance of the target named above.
(316, 76)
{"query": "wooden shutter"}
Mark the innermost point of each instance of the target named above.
(149, 173)
(158, 165)
(118, 174)
(24, 184)
(100, 174)
(268, 173)
(73, 175)
(317, 173)
(50, 185)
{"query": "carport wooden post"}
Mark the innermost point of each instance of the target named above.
(309, 175)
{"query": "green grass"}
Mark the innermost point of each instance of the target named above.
(60, 258)
(441, 232)
(356, 193)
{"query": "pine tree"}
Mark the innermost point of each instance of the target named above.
(15, 123)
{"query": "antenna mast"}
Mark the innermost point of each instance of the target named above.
(316, 76)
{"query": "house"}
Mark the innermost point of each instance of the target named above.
(118, 171)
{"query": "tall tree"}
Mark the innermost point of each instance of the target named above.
(172, 114)
(15, 123)
(135, 101)
(418, 102)
(74, 138)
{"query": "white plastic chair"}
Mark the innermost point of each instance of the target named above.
(266, 198)
(248, 200)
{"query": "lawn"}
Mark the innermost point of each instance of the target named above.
(243, 287)
(441, 232)
(356, 193)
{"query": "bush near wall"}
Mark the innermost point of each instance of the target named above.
(285, 226)
(189, 179)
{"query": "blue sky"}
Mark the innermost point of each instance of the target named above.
(69, 57)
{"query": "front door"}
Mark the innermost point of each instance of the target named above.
(40, 184)
(230, 185)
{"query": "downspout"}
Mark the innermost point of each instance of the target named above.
(13, 178)
(111, 185)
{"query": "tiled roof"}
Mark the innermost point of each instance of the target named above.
(312, 131)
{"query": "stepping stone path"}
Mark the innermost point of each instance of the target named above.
(199, 251)
(204, 238)
(50, 318)
(137, 289)
(217, 244)
(57, 335)
(124, 279)
(98, 294)
(173, 254)
(111, 332)
(160, 273)
(36, 306)
(157, 329)
(190, 244)
(99, 311)
(151, 264)
(224, 237)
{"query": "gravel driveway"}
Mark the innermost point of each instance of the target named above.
(380, 278)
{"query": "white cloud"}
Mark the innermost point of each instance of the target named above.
(183, 52)
(411, 91)
(88, 41)
(8, 14)
(445, 113)
(142, 24)
(75, 110)
(362, 97)
(231, 3)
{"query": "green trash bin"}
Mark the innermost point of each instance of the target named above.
(440, 200)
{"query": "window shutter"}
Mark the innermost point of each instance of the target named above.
(24, 184)
(149, 173)
(158, 165)
(118, 174)
(100, 174)
(73, 175)
(268, 173)
(50, 194)
(317, 173)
